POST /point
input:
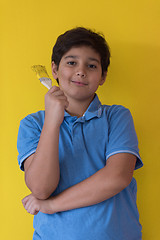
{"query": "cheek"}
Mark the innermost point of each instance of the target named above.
(96, 79)
(63, 74)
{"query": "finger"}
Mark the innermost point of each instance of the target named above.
(28, 201)
(27, 204)
(35, 212)
(33, 208)
(58, 93)
(62, 97)
(53, 89)
(64, 101)
(25, 199)
(30, 208)
(32, 205)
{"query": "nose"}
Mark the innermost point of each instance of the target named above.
(81, 73)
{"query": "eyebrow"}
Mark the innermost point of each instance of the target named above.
(75, 57)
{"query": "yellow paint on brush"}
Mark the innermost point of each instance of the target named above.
(42, 75)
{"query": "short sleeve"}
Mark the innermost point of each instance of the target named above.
(122, 135)
(28, 136)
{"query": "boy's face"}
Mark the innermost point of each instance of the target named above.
(79, 73)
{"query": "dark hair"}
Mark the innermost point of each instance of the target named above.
(82, 37)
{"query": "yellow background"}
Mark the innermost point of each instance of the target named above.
(28, 32)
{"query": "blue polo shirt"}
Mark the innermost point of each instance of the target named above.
(85, 144)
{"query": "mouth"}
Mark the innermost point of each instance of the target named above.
(78, 83)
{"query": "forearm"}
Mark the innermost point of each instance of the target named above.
(93, 190)
(102, 185)
(42, 175)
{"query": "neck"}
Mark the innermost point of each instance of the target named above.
(78, 108)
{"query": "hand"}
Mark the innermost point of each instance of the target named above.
(55, 104)
(34, 205)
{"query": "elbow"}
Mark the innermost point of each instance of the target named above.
(119, 183)
(124, 182)
(42, 191)
(42, 195)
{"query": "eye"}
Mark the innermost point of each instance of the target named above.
(92, 66)
(71, 63)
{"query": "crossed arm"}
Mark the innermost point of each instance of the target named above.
(42, 168)
(102, 185)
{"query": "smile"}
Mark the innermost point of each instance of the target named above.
(79, 83)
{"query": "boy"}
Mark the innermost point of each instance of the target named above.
(78, 155)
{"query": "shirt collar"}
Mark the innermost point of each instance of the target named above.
(94, 110)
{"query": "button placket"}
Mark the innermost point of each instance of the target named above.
(72, 132)
(75, 124)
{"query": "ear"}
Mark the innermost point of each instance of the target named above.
(103, 79)
(54, 70)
